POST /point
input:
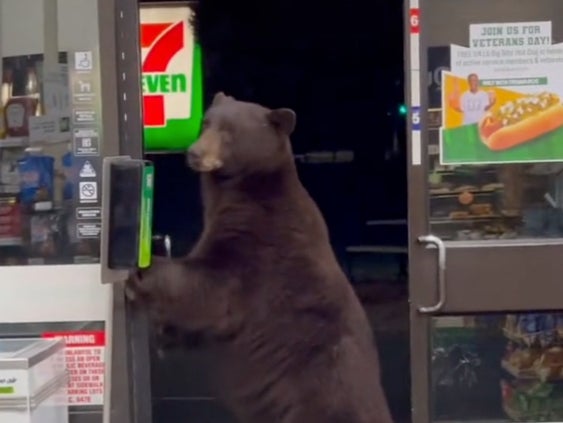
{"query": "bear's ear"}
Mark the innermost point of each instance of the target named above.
(218, 98)
(283, 119)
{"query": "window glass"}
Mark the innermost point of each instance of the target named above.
(50, 130)
(497, 368)
(495, 119)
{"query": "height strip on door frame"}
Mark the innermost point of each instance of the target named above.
(414, 25)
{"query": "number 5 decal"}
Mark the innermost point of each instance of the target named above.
(415, 118)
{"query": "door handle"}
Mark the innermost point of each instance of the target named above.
(441, 247)
(168, 245)
(166, 241)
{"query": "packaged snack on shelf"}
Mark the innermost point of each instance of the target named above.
(44, 234)
(550, 364)
(17, 112)
(2, 124)
(69, 175)
(560, 325)
(548, 329)
(9, 172)
(520, 362)
(532, 401)
(36, 177)
(10, 221)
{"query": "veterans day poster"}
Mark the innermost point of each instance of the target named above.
(501, 100)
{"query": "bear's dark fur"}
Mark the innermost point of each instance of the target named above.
(263, 285)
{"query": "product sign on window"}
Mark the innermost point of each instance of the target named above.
(502, 98)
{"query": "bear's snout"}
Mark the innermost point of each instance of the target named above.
(194, 155)
(201, 159)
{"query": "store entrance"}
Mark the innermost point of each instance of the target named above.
(485, 203)
(341, 69)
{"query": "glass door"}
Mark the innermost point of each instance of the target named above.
(486, 209)
(62, 109)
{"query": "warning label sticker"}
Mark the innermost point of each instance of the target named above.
(85, 362)
(88, 213)
(88, 230)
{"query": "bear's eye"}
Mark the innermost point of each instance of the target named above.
(205, 123)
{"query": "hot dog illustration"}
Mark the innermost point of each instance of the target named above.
(521, 121)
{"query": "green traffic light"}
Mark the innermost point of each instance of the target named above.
(402, 109)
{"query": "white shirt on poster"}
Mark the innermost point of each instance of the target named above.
(473, 106)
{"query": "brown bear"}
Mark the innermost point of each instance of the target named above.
(262, 283)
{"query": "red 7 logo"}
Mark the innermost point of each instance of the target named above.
(164, 41)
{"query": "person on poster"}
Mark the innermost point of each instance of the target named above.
(474, 103)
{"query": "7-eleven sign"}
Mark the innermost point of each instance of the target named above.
(167, 51)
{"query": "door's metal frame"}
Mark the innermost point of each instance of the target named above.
(423, 268)
(129, 387)
(131, 144)
(428, 276)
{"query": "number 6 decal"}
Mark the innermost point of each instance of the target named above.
(415, 21)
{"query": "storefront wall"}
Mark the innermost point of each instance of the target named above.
(485, 89)
(65, 105)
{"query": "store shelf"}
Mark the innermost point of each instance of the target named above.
(10, 189)
(23, 142)
(453, 194)
(14, 142)
(470, 219)
(11, 242)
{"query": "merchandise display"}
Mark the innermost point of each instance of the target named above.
(41, 218)
(481, 202)
(499, 367)
(533, 363)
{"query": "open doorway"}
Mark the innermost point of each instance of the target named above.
(340, 67)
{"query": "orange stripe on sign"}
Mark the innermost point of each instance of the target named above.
(151, 31)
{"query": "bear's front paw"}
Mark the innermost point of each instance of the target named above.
(133, 286)
(141, 284)
(150, 287)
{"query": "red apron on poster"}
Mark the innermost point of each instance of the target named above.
(85, 362)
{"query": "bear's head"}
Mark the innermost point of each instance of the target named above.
(240, 138)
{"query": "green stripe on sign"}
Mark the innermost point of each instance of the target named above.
(513, 82)
(179, 134)
(145, 241)
(6, 390)
(463, 145)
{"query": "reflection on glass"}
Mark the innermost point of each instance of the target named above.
(498, 367)
(38, 173)
(495, 120)
(476, 202)
(49, 136)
